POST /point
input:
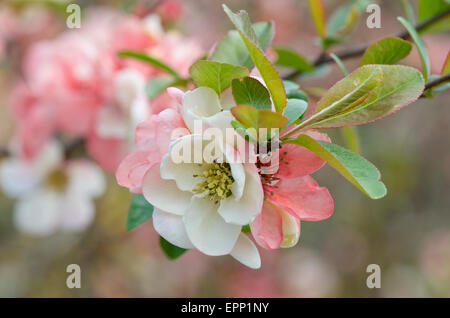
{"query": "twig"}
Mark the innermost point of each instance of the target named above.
(436, 82)
(72, 147)
(346, 54)
(69, 149)
(4, 152)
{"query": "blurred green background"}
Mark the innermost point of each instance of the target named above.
(407, 233)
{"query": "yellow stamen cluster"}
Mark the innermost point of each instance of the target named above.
(57, 179)
(217, 182)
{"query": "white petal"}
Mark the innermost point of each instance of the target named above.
(77, 213)
(50, 157)
(153, 26)
(184, 160)
(164, 194)
(200, 103)
(140, 111)
(221, 120)
(17, 177)
(187, 149)
(227, 99)
(246, 252)
(85, 179)
(244, 210)
(111, 123)
(207, 230)
(171, 227)
(182, 173)
(129, 85)
(39, 213)
(203, 101)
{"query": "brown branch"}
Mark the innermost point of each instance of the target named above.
(70, 149)
(436, 82)
(346, 54)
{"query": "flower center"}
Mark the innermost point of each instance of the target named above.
(217, 182)
(57, 179)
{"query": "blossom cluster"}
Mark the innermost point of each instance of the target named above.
(205, 205)
(76, 87)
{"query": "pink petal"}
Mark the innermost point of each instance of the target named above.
(177, 96)
(35, 130)
(159, 130)
(132, 170)
(298, 161)
(303, 198)
(267, 227)
(76, 112)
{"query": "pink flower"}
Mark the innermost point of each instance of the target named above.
(291, 195)
(152, 138)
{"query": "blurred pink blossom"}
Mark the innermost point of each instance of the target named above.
(77, 85)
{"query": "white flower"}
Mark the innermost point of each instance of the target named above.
(204, 205)
(203, 104)
(52, 194)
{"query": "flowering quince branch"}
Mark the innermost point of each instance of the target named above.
(213, 205)
(351, 53)
(226, 160)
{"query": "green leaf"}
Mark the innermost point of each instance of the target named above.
(249, 91)
(389, 50)
(139, 212)
(298, 94)
(317, 12)
(290, 86)
(446, 66)
(329, 41)
(232, 49)
(289, 58)
(339, 63)
(148, 59)
(343, 20)
(215, 75)
(273, 81)
(408, 10)
(244, 132)
(369, 93)
(295, 108)
(250, 117)
(420, 47)
(293, 91)
(429, 8)
(172, 252)
(351, 92)
(158, 84)
(351, 138)
(360, 172)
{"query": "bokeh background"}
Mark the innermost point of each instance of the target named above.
(407, 233)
